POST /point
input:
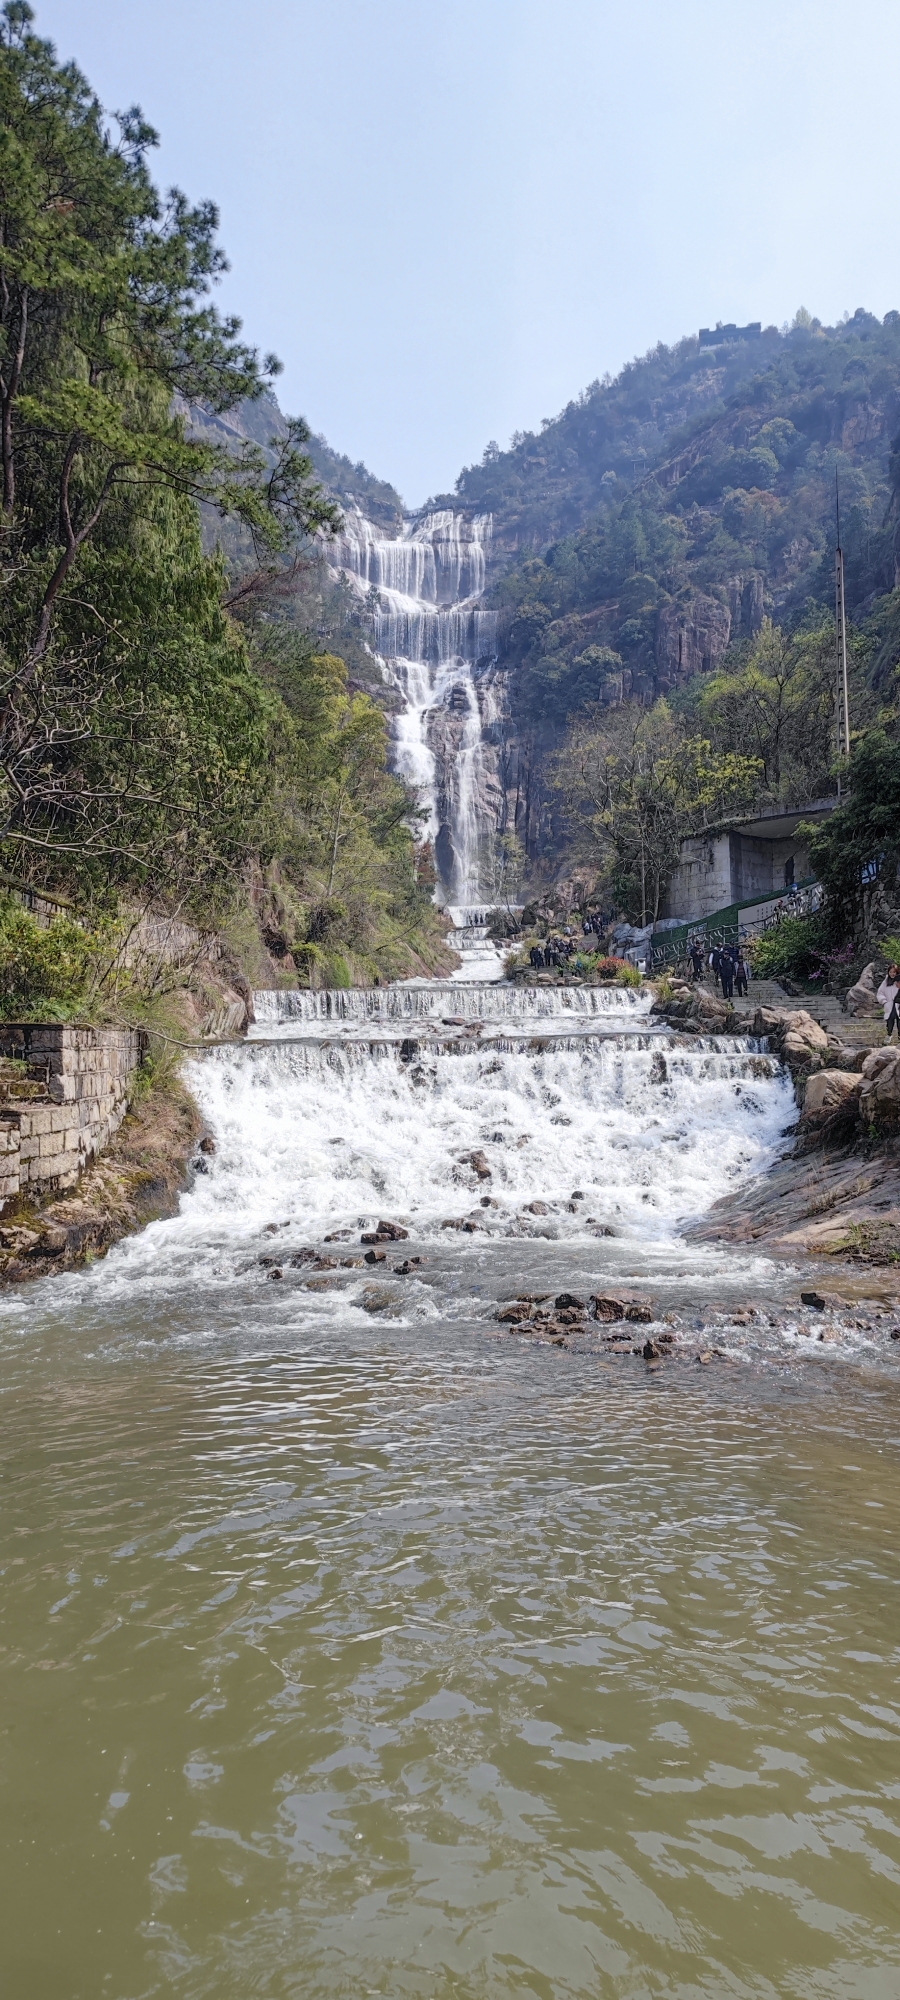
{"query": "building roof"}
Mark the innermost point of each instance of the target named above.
(778, 825)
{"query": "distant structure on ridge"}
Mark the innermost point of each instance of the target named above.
(712, 336)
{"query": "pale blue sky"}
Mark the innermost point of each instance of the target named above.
(448, 218)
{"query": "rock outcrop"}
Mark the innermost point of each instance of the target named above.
(879, 1097)
(863, 997)
(831, 1098)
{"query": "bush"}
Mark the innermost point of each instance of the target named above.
(792, 949)
(628, 975)
(45, 969)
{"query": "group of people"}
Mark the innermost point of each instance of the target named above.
(726, 963)
(554, 954)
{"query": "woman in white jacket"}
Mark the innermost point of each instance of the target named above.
(889, 995)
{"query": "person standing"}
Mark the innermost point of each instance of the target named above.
(726, 974)
(696, 955)
(741, 974)
(889, 995)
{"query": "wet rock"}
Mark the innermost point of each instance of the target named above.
(830, 1097)
(325, 1264)
(408, 1050)
(576, 1195)
(478, 1164)
(513, 1315)
(879, 1097)
(352, 1263)
(300, 1257)
(487, 1201)
(339, 1236)
(453, 1222)
(452, 1021)
(408, 1268)
(605, 1308)
(374, 1256)
(208, 1144)
(863, 997)
(535, 1208)
(650, 1350)
(199, 1165)
(385, 1232)
(275, 1273)
(639, 1313)
(376, 1298)
(568, 1299)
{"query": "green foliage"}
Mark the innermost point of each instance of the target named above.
(628, 975)
(46, 971)
(790, 949)
(675, 503)
(856, 852)
(635, 783)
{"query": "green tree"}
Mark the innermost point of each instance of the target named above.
(106, 319)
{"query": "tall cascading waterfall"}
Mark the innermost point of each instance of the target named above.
(432, 636)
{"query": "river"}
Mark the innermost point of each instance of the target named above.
(355, 1644)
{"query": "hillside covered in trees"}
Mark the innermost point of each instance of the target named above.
(170, 735)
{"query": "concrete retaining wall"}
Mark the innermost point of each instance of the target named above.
(86, 1076)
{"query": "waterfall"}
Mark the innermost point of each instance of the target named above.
(431, 634)
(349, 1105)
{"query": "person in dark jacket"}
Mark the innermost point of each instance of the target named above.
(741, 974)
(696, 955)
(726, 974)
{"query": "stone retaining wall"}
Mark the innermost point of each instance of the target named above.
(85, 1076)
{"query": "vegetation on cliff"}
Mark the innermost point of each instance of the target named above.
(162, 737)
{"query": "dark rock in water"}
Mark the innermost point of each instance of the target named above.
(408, 1049)
(339, 1236)
(478, 1164)
(452, 1021)
(606, 1308)
(499, 1138)
(513, 1314)
(374, 1256)
(453, 1222)
(408, 1267)
(386, 1232)
(576, 1195)
(568, 1299)
(199, 1165)
(650, 1351)
(300, 1257)
(276, 1272)
(813, 1299)
(640, 1313)
(208, 1144)
(325, 1264)
(895, 1332)
(535, 1208)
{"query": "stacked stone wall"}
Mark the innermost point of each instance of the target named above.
(86, 1076)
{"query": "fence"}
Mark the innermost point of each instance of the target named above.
(727, 926)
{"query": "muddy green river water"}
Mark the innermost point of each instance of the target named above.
(349, 1646)
(446, 1673)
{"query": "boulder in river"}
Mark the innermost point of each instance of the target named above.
(478, 1163)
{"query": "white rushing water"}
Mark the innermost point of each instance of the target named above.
(493, 1124)
(430, 633)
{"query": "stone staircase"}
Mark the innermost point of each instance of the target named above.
(853, 1032)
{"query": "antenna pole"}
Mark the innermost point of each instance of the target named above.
(840, 634)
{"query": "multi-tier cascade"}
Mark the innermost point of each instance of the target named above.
(436, 645)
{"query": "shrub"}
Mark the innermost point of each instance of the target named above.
(45, 969)
(628, 975)
(792, 949)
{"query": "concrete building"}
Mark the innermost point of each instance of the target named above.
(741, 860)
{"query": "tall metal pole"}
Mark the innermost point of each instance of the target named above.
(840, 633)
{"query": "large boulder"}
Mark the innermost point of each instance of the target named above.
(796, 1037)
(879, 1097)
(863, 997)
(831, 1096)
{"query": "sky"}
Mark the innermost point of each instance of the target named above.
(447, 219)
